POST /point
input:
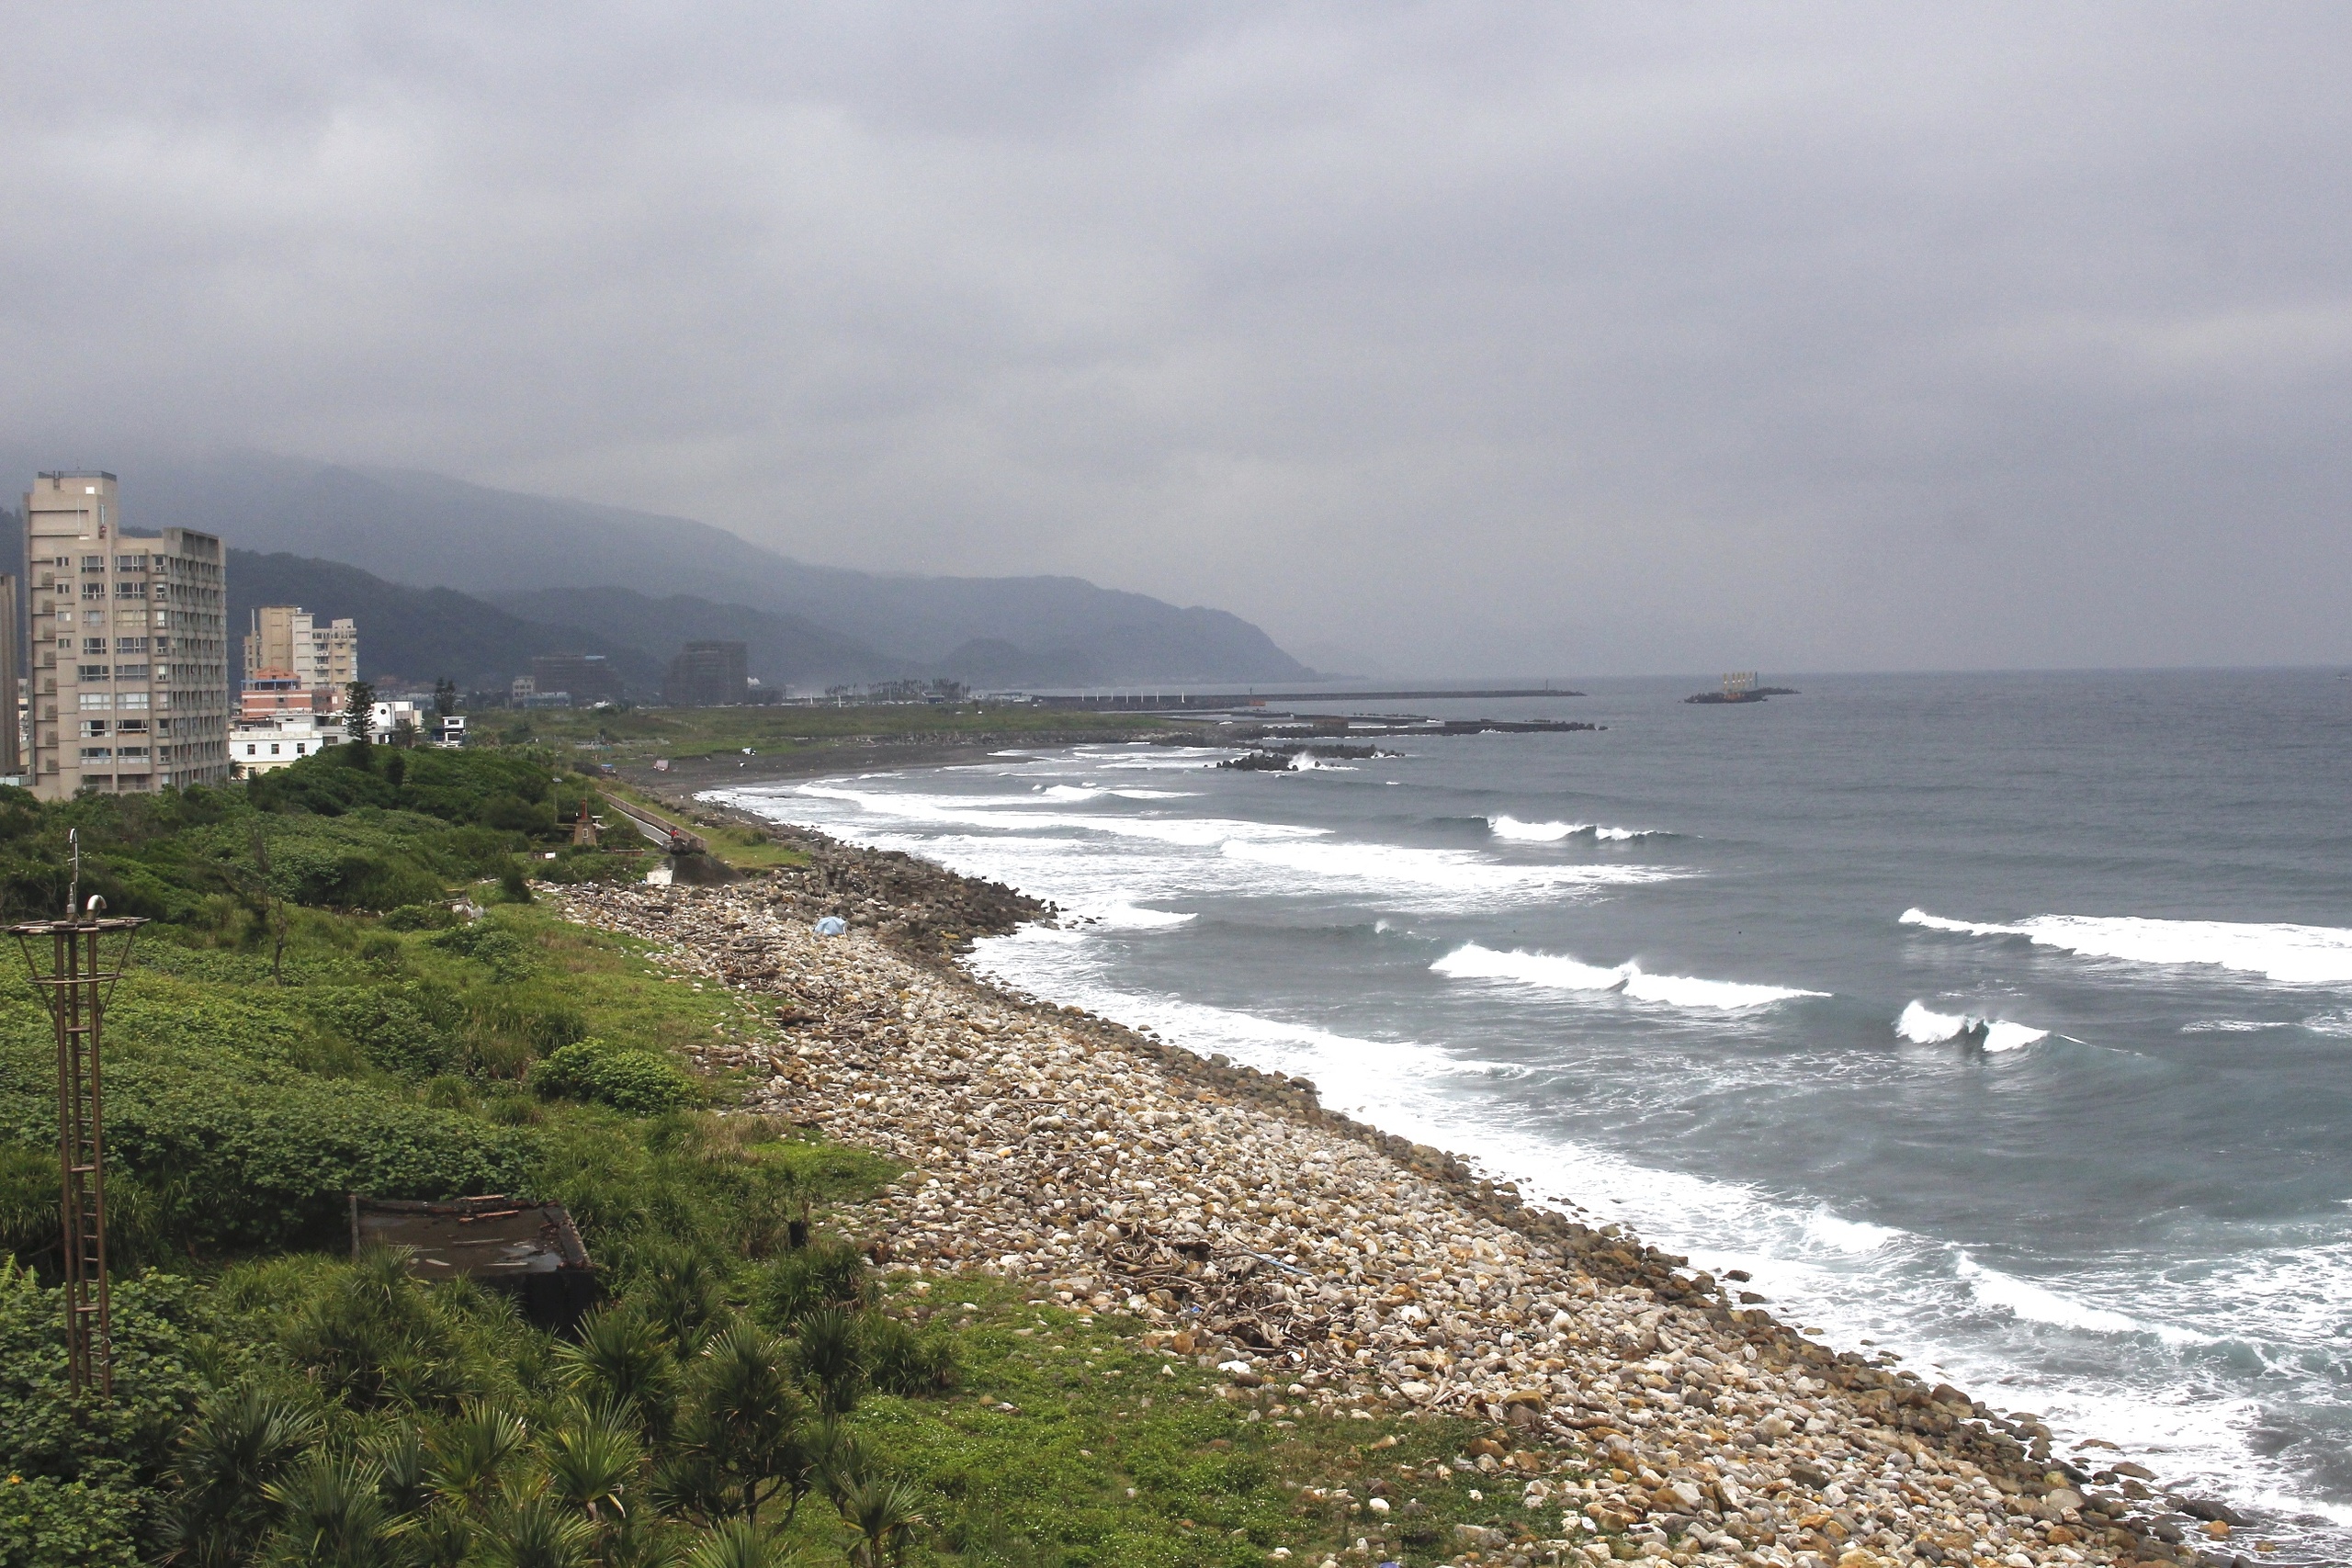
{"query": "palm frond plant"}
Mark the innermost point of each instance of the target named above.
(472, 1453)
(593, 1462)
(242, 1441)
(620, 1358)
(743, 1422)
(334, 1517)
(885, 1514)
(831, 1359)
(535, 1529)
(737, 1544)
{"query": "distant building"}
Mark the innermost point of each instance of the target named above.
(448, 729)
(274, 692)
(129, 646)
(391, 716)
(589, 677)
(707, 675)
(258, 745)
(12, 750)
(286, 639)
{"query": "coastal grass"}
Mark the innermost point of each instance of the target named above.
(1081, 1439)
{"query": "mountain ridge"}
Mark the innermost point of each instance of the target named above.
(418, 529)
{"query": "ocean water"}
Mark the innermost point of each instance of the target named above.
(2001, 1021)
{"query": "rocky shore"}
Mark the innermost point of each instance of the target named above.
(1636, 1407)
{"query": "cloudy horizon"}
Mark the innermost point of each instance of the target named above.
(1589, 339)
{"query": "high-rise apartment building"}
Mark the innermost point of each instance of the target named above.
(286, 639)
(707, 675)
(589, 677)
(12, 752)
(130, 655)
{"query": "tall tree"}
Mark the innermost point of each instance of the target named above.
(359, 713)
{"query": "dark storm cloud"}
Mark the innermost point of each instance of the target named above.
(1546, 338)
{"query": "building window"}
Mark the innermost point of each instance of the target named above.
(93, 644)
(133, 753)
(130, 645)
(252, 750)
(273, 748)
(134, 699)
(93, 727)
(300, 750)
(98, 699)
(92, 672)
(131, 590)
(94, 591)
(89, 563)
(96, 754)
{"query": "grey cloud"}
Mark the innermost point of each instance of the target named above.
(1548, 338)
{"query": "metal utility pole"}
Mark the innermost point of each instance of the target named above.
(87, 953)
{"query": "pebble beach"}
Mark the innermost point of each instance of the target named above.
(1635, 1407)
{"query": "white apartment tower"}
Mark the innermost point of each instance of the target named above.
(130, 654)
(286, 639)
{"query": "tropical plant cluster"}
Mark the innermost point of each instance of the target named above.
(335, 996)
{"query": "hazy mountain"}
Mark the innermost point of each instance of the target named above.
(421, 634)
(428, 531)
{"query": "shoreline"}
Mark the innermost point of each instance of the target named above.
(1763, 1445)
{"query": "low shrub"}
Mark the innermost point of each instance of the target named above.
(420, 917)
(828, 1273)
(638, 1082)
(900, 1359)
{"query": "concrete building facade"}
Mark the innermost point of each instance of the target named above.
(129, 661)
(589, 677)
(707, 675)
(261, 746)
(286, 639)
(12, 739)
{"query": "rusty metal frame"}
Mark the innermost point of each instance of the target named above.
(84, 961)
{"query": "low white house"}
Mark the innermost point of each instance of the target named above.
(261, 745)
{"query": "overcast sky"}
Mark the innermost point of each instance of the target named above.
(1575, 339)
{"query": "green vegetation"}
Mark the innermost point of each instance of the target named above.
(641, 733)
(308, 1015)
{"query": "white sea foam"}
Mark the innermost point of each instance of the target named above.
(1511, 827)
(1923, 1025)
(1156, 794)
(2290, 955)
(1473, 962)
(1449, 871)
(1853, 1237)
(1135, 918)
(2038, 1303)
(2001, 1035)
(1535, 832)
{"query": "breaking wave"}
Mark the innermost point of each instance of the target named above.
(2290, 955)
(1923, 1026)
(1472, 962)
(1553, 832)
